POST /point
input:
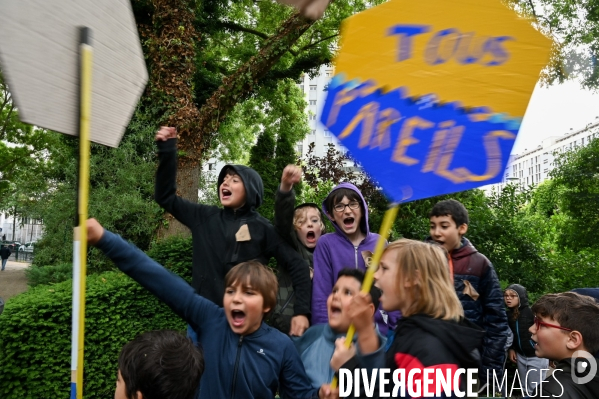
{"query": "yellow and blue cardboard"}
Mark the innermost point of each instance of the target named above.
(428, 96)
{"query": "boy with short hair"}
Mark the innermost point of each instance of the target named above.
(475, 282)
(349, 246)
(300, 226)
(245, 358)
(566, 330)
(159, 364)
(317, 345)
(225, 237)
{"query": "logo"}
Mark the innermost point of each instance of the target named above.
(584, 367)
(261, 352)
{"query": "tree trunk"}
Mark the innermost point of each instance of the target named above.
(172, 54)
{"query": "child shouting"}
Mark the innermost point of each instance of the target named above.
(245, 358)
(348, 246)
(225, 237)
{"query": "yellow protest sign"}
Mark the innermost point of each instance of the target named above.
(478, 53)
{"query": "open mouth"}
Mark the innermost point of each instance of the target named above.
(335, 310)
(225, 193)
(311, 237)
(348, 222)
(534, 343)
(238, 318)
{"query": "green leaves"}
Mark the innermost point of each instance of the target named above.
(36, 335)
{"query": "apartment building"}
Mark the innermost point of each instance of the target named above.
(532, 167)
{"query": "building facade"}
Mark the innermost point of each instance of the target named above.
(532, 167)
(315, 92)
(21, 230)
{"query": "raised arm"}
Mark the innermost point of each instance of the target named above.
(165, 189)
(299, 271)
(285, 204)
(166, 286)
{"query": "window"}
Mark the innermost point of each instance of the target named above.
(515, 168)
(326, 133)
(312, 117)
(300, 149)
(544, 161)
(312, 102)
(312, 87)
(313, 132)
(328, 74)
(545, 171)
(582, 141)
(211, 166)
(301, 87)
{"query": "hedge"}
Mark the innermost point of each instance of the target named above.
(35, 335)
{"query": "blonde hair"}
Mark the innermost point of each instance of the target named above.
(432, 291)
(301, 214)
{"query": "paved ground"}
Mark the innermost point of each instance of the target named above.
(12, 279)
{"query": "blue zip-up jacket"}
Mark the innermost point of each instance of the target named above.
(316, 348)
(253, 366)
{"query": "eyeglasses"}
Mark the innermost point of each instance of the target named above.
(539, 323)
(340, 207)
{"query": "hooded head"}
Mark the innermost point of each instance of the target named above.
(253, 188)
(347, 216)
(522, 294)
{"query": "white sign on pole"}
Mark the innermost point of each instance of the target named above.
(39, 53)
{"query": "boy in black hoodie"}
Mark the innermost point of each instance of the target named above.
(566, 329)
(225, 237)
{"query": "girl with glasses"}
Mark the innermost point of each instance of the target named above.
(350, 246)
(520, 318)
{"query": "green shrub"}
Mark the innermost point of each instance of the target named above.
(174, 253)
(35, 331)
(39, 275)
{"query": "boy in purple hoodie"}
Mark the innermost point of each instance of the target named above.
(348, 246)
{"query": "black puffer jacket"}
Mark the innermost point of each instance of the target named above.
(523, 322)
(215, 248)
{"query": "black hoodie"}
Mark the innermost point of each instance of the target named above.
(215, 248)
(561, 385)
(520, 326)
(421, 341)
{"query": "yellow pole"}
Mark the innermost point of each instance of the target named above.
(80, 244)
(388, 220)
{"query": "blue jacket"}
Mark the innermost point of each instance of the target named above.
(316, 349)
(252, 366)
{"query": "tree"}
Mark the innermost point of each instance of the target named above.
(23, 161)
(262, 160)
(576, 176)
(205, 58)
(574, 26)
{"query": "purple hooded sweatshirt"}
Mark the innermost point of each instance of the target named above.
(335, 252)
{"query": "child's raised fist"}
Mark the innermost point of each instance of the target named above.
(95, 231)
(166, 133)
(292, 174)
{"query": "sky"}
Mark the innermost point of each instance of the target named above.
(553, 110)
